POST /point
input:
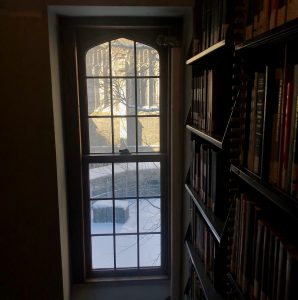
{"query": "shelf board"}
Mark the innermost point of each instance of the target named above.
(281, 33)
(206, 52)
(236, 288)
(215, 225)
(205, 282)
(186, 290)
(214, 140)
(286, 203)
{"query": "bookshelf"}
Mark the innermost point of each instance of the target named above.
(283, 201)
(215, 225)
(214, 49)
(243, 125)
(235, 291)
(263, 255)
(212, 139)
(206, 284)
(212, 126)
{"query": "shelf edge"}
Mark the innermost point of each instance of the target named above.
(216, 229)
(290, 206)
(205, 282)
(237, 289)
(205, 136)
(205, 52)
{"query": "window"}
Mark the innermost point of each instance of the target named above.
(117, 135)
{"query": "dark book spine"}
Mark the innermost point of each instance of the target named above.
(259, 122)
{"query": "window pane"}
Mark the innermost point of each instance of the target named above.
(148, 134)
(122, 57)
(126, 251)
(99, 97)
(150, 250)
(125, 134)
(126, 216)
(147, 60)
(100, 135)
(149, 179)
(148, 96)
(100, 176)
(97, 61)
(125, 180)
(102, 252)
(149, 219)
(101, 216)
(123, 96)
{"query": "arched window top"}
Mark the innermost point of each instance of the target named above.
(122, 57)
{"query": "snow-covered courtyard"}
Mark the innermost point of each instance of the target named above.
(126, 245)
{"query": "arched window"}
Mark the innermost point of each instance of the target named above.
(120, 198)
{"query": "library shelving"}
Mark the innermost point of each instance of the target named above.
(243, 123)
(264, 260)
(213, 126)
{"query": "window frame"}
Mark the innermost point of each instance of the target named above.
(77, 159)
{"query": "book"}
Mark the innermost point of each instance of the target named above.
(276, 98)
(281, 280)
(281, 12)
(252, 136)
(273, 14)
(260, 100)
(264, 17)
(284, 122)
(258, 260)
(292, 10)
(249, 20)
(264, 285)
(293, 155)
(291, 291)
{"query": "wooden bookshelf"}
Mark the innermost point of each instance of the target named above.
(215, 225)
(204, 54)
(235, 289)
(280, 199)
(214, 140)
(207, 286)
(187, 289)
(279, 34)
(259, 146)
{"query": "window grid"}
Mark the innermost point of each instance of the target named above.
(137, 232)
(148, 102)
(111, 98)
(136, 115)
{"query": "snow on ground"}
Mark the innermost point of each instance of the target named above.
(126, 246)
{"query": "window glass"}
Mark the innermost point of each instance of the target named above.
(123, 96)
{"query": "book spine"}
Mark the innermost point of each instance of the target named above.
(276, 96)
(259, 122)
(286, 167)
(273, 14)
(281, 12)
(292, 10)
(293, 159)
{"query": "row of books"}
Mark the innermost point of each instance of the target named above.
(205, 245)
(212, 23)
(205, 174)
(264, 15)
(277, 88)
(283, 168)
(257, 102)
(196, 292)
(263, 261)
(207, 101)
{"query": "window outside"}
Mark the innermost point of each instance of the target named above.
(123, 90)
